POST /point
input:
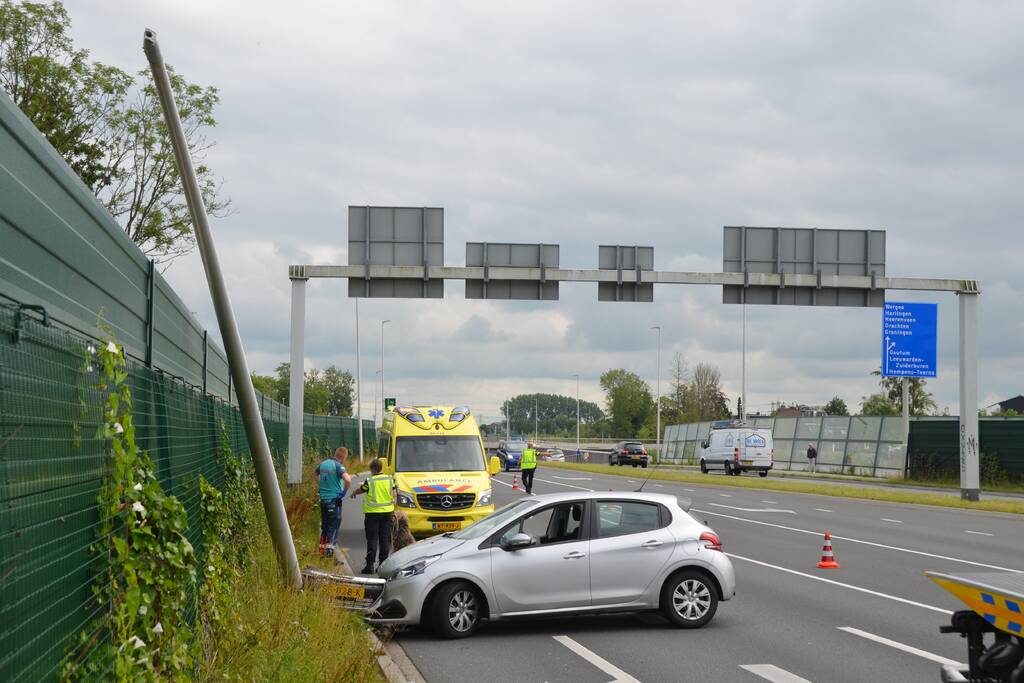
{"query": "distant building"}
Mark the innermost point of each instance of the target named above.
(798, 411)
(1015, 403)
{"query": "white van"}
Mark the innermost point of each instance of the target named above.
(738, 449)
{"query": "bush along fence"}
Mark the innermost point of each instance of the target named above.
(106, 465)
(873, 446)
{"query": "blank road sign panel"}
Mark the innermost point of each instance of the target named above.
(803, 251)
(625, 257)
(503, 254)
(395, 236)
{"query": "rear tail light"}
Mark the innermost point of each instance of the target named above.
(736, 454)
(644, 452)
(625, 452)
(711, 541)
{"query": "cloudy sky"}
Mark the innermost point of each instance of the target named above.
(600, 123)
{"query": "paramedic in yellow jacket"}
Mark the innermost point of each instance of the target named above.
(378, 509)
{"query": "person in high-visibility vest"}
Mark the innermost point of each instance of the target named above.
(528, 464)
(378, 508)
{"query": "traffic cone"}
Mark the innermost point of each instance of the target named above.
(515, 482)
(828, 558)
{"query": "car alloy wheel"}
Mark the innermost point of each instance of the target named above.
(463, 611)
(691, 599)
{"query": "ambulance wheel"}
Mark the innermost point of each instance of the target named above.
(763, 473)
(457, 609)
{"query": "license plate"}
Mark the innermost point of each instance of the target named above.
(446, 526)
(347, 592)
(746, 462)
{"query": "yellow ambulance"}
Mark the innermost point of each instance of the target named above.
(437, 458)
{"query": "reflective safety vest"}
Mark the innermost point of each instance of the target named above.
(529, 460)
(378, 494)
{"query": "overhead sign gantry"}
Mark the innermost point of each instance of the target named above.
(779, 266)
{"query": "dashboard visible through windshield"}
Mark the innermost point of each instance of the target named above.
(438, 454)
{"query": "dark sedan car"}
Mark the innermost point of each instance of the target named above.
(628, 453)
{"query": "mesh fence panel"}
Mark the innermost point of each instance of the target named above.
(52, 465)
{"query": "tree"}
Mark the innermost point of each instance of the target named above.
(878, 405)
(708, 398)
(836, 406)
(555, 414)
(694, 397)
(109, 127)
(921, 400)
(340, 388)
(629, 401)
(265, 384)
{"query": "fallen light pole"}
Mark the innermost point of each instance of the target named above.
(270, 492)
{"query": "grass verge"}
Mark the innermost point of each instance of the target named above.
(888, 495)
(278, 634)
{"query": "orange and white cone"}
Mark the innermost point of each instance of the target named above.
(515, 482)
(828, 558)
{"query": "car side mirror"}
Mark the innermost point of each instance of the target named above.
(518, 541)
(494, 466)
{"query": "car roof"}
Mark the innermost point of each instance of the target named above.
(663, 498)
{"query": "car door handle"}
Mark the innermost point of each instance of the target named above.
(574, 555)
(651, 544)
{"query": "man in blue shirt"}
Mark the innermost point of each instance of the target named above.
(334, 482)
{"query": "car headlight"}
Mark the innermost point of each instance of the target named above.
(484, 498)
(405, 500)
(416, 567)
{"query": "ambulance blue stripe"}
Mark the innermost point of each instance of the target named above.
(1014, 626)
(988, 599)
(1013, 606)
(990, 618)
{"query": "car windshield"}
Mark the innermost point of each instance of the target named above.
(438, 454)
(492, 521)
(515, 445)
(633, 445)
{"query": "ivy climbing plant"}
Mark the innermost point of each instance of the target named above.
(147, 565)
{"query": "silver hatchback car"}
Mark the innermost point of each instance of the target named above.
(561, 554)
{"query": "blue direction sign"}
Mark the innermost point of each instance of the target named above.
(908, 339)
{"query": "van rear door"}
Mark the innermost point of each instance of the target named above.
(756, 448)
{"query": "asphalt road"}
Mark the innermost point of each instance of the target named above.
(875, 619)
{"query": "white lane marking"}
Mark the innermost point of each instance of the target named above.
(558, 483)
(555, 476)
(733, 507)
(857, 540)
(631, 481)
(499, 481)
(660, 486)
(770, 502)
(822, 510)
(894, 521)
(895, 598)
(725, 495)
(938, 659)
(978, 533)
(617, 674)
(772, 673)
(690, 490)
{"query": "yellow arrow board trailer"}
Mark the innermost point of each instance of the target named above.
(996, 600)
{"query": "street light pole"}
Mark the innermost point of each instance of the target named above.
(375, 398)
(658, 390)
(359, 382)
(743, 371)
(382, 323)
(536, 420)
(577, 416)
